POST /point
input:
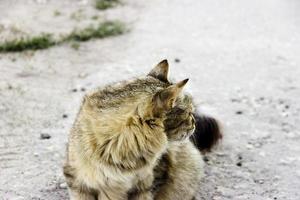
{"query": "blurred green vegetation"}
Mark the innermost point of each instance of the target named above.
(105, 4)
(44, 41)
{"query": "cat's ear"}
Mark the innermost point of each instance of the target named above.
(160, 71)
(164, 100)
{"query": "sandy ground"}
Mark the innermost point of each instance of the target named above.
(242, 58)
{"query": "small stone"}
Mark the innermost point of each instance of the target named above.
(74, 90)
(287, 107)
(45, 136)
(82, 89)
(65, 116)
(63, 186)
(177, 60)
(260, 181)
(239, 112)
(239, 164)
(10, 87)
(235, 100)
(284, 114)
(221, 154)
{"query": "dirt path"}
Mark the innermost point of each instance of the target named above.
(242, 58)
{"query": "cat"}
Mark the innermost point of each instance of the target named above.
(124, 140)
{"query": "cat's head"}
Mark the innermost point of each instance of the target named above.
(152, 112)
(182, 121)
(168, 108)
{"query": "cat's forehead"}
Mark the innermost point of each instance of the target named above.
(185, 101)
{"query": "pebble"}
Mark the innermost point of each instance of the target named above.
(74, 90)
(260, 181)
(235, 100)
(63, 186)
(221, 154)
(287, 107)
(65, 116)
(45, 136)
(177, 60)
(239, 164)
(239, 112)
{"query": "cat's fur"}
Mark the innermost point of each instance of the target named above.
(122, 141)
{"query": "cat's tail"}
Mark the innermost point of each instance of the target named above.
(207, 133)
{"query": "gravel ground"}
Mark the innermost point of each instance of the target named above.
(242, 58)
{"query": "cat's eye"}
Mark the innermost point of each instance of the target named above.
(150, 122)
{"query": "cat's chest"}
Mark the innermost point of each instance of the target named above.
(104, 176)
(96, 176)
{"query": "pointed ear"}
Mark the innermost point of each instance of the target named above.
(160, 71)
(164, 100)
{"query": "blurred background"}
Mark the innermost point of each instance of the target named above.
(242, 58)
